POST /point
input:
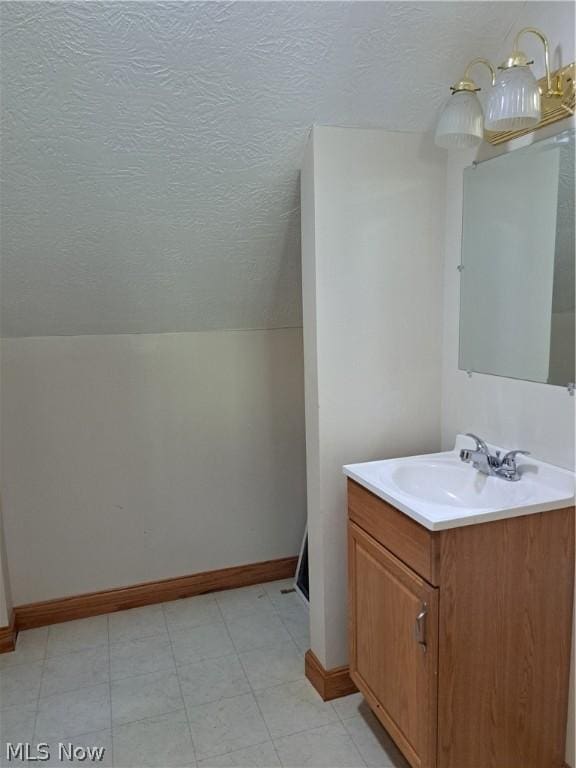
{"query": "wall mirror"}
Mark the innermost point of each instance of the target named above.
(517, 264)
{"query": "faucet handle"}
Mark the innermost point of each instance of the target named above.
(480, 444)
(509, 458)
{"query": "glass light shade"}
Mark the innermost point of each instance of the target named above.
(514, 101)
(461, 122)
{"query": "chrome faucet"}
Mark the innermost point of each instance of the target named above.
(491, 463)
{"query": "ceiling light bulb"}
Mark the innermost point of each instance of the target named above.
(461, 122)
(514, 100)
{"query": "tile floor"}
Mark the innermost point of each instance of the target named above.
(209, 681)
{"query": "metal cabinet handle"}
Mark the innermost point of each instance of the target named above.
(420, 626)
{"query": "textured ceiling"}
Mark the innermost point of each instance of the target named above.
(150, 151)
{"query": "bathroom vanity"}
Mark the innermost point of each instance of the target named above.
(460, 613)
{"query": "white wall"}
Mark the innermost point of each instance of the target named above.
(5, 592)
(316, 554)
(516, 414)
(134, 458)
(373, 218)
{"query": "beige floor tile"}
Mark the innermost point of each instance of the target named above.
(81, 669)
(235, 603)
(77, 635)
(376, 747)
(192, 612)
(30, 647)
(350, 706)
(20, 684)
(260, 756)
(67, 714)
(212, 679)
(16, 725)
(325, 747)
(294, 707)
(274, 665)
(136, 623)
(208, 641)
(141, 656)
(226, 725)
(257, 630)
(161, 741)
(145, 696)
(101, 740)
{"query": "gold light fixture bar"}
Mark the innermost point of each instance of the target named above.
(559, 104)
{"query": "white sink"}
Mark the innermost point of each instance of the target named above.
(445, 482)
(440, 491)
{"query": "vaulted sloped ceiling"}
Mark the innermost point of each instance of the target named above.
(150, 151)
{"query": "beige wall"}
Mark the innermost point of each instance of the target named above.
(134, 458)
(372, 227)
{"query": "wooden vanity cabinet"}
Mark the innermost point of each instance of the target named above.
(460, 639)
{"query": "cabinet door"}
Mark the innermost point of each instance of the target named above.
(393, 616)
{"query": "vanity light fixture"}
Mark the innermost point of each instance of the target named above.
(461, 122)
(517, 103)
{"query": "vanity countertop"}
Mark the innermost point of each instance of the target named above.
(439, 491)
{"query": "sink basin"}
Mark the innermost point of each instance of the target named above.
(439, 491)
(454, 484)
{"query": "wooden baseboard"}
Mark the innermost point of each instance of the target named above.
(8, 635)
(330, 683)
(109, 601)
